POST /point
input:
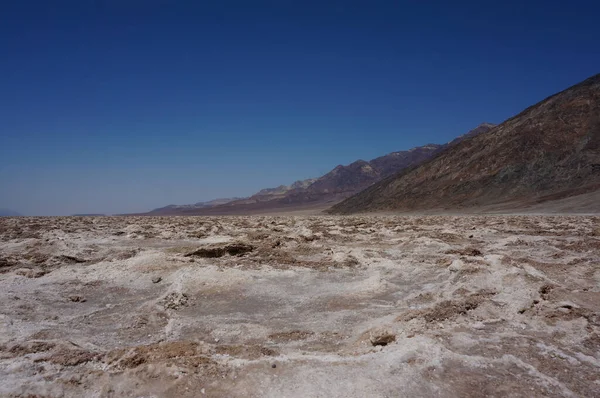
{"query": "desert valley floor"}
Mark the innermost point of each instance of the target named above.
(378, 306)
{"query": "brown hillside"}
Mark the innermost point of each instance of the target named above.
(549, 151)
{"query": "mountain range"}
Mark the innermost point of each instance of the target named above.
(548, 152)
(173, 209)
(9, 213)
(340, 183)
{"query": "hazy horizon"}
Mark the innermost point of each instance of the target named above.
(120, 107)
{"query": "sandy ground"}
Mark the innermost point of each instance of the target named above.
(433, 306)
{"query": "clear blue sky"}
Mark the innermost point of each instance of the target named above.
(125, 105)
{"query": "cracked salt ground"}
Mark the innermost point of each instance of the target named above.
(300, 306)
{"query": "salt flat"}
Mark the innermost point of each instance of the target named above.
(379, 306)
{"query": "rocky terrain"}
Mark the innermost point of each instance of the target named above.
(550, 151)
(350, 306)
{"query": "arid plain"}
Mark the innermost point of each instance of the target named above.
(323, 306)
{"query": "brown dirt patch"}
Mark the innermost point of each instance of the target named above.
(31, 347)
(294, 335)
(245, 351)
(67, 357)
(182, 353)
(447, 309)
(236, 249)
(472, 252)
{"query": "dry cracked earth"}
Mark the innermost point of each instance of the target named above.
(389, 306)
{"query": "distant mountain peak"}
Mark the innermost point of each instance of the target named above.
(283, 189)
(9, 213)
(480, 129)
(418, 148)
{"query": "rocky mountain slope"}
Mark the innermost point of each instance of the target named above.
(338, 184)
(352, 178)
(333, 187)
(283, 189)
(360, 174)
(171, 209)
(549, 151)
(482, 128)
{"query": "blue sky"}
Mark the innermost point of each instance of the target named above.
(125, 105)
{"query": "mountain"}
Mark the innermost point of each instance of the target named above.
(550, 151)
(482, 128)
(338, 184)
(215, 202)
(174, 209)
(303, 183)
(346, 178)
(355, 177)
(274, 193)
(333, 187)
(397, 161)
(9, 213)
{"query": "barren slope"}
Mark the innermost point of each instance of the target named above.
(548, 152)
